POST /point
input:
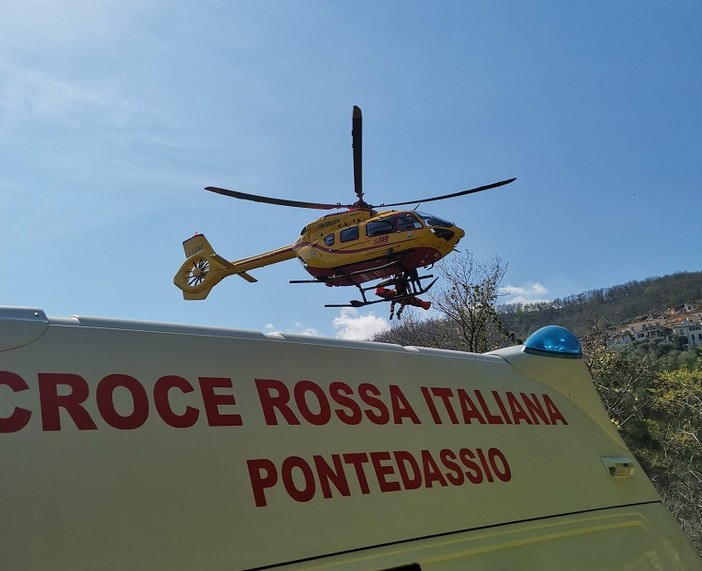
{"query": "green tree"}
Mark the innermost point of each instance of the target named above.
(658, 411)
(674, 424)
(621, 378)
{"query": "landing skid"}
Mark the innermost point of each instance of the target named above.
(314, 281)
(413, 289)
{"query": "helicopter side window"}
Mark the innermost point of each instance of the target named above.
(349, 234)
(376, 227)
(407, 221)
(329, 239)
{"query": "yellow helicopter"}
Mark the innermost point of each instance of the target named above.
(348, 248)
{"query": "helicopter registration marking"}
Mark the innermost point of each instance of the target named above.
(381, 239)
(195, 250)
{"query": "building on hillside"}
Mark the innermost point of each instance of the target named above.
(620, 338)
(682, 321)
(649, 329)
(690, 330)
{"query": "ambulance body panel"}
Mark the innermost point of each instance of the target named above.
(154, 446)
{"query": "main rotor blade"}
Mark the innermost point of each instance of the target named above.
(271, 200)
(455, 194)
(357, 137)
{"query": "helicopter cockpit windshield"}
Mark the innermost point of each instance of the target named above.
(431, 220)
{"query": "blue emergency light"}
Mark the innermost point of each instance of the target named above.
(553, 341)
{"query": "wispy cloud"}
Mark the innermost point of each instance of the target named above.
(29, 95)
(530, 292)
(350, 325)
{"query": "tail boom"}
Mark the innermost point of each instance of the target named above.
(204, 268)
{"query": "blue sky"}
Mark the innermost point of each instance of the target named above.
(115, 114)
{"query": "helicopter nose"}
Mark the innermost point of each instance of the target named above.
(444, 233)
(452, 234)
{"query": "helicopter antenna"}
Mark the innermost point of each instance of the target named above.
(357, 136)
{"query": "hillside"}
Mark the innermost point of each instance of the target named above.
(616, 305)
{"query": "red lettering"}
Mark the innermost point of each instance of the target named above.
(399, 470)
(491, 418)
(378, 413)
(535, 409)
(105, 402)
(163, 405)
(72, 402)
(518, 412)
(474, 473)
(351, 411)
(271, 402)
(455, 475)
(20, 416)
(357, 460)
(484, 463)
(382, 471)
(431, 470)
(262, 474)
(401, 407)
(553, 412)
(430, 404)
(445, 395)
(306, 493)
(502, 471)
(320, 418)
(501, 406)
(468, 408)
(335, 475)
(213, 401)
(403, 460)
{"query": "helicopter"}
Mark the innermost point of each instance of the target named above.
(353, 247)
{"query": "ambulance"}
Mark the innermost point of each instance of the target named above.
(151, 446)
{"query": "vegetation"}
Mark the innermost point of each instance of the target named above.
(468, 302)
(653, 394)
(652, 389)
(612, 306)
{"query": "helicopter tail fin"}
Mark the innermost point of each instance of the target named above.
(202, 270)
(198, 244)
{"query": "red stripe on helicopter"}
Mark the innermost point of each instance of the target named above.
(328, 250)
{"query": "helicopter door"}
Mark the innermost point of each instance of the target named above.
(348, 240)
(348, 234)
(379, 227)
